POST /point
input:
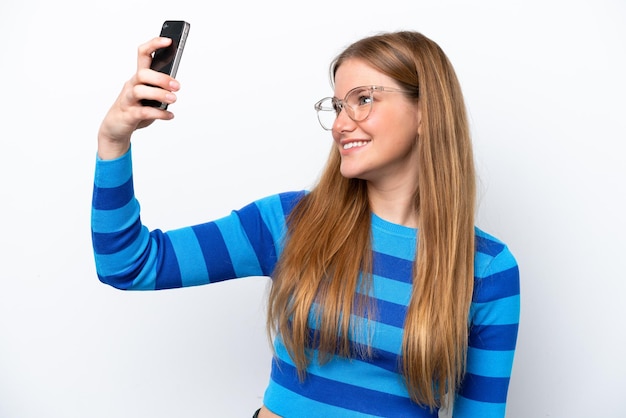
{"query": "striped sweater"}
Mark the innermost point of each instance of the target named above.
(249, 241)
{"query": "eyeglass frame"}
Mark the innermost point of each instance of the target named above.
(341, 104)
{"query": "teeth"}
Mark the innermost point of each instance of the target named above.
(354, 144)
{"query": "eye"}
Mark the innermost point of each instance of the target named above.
(364, 99)
(360, 97)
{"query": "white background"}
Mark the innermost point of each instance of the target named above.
(545, 88)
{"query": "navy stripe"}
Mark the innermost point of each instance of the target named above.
(390, 313)
(168, 272)
(216, 258)
(487, 246)
(290, 200)
(109, 198)
(125, 280)
(484, 389)
(119, 281)
(113, 242)
(259, 236)
(391, 267)
(343, 395)
(379, 358)
(494, 337)
(502, 284)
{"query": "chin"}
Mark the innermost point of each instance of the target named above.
(348, 174)
(357, 172)
(352, 175)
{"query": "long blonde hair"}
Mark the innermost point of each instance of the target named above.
(325, 268)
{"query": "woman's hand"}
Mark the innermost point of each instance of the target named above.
(127, 113)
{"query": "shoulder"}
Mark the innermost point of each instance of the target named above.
(272, 210)
(281, 202)
(496, 272)
(491, 252)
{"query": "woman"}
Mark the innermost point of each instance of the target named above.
(385, 299)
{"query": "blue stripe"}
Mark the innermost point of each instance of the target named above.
(289, 200)
(271, 210)
(113, 242)
(259, 236)
(112, 173)
(168, 273)
(489, 363)
(464, 407)
(385, 346)
(244, 260)
(114, 219)
(389, 238)
(115, 269)
(493, 337)
(216, 256)
(190, 257)
(124, 280)
(343, 395)
(499, 285)
(105, 198)
(488, 246)
(379, 358)
(119, 281)
(391, 290)
(499, 312)
(486, 264)
(393, 268)
(484, 389)
(286, 403)
(390, 313)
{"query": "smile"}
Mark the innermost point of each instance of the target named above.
(355, 144)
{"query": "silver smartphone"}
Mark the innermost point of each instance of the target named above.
(166, 60)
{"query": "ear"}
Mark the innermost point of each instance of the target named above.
(418, 115)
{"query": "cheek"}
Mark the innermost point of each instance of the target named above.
(402, 135)
(393, 120)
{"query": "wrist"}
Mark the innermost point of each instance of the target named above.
(110, 150)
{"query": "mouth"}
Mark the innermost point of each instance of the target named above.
(354, 144)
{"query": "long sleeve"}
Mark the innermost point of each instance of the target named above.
(249, 241)
(494, 320)
(130, 256)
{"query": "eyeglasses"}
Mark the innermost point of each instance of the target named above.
(357, 103)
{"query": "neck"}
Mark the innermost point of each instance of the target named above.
(394, 204)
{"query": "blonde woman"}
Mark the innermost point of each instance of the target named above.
(386, 300)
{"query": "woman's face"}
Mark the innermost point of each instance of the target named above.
(380, 149)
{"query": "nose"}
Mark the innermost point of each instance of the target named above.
(343, 122)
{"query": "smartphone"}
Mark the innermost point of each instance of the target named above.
(166, 60)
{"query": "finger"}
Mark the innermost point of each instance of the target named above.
(156, 78)
(146, 51)
(151, 114)
(143, 91)
(145, 115)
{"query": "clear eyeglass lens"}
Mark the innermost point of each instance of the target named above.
(359, 103)
(327, 113)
